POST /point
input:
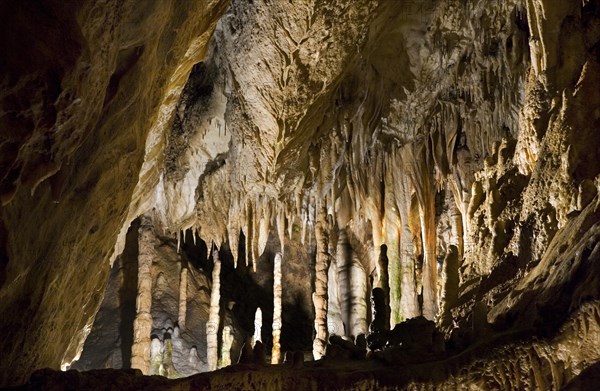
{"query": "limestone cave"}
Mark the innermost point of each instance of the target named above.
(300, 195)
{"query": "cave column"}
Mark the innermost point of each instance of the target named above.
(276, 352)
(427, 216)
(142, 325)
(343, 263)
(182, 298)
(320, 294)
(212, 327)
(400, 250)
(335, 325)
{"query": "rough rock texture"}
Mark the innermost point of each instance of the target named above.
(81, 87)
(459, 136)
(109, 344)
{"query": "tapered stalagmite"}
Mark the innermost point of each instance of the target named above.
(276, 352)
(427, 215)
(395, 269)
(212, 327)
(358, 297)
(450, 290)
(335, 325)
(226, 342)
(320, 294)
(344, 270)
(142, 325)
(383, 283)
(182, 298)
(257, 326)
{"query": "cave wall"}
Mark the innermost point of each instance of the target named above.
(418, 126)
(82, 85)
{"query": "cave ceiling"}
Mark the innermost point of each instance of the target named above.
(437, 128)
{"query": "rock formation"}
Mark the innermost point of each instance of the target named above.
(276, 352)
(257, 326)
(214, 320)
(320, 294)
(440, 157)
(142, 326)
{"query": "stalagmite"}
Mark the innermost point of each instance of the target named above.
(257, 326)
(182, 298)
(335, 325)
(380, 321)
(427, 215)
(156, 357)
(276, 352)
(344, 270)
(457, 230)
(383, 282)
(142, 326)
(168, 366)
(408, 303)
(396, 269)
(212, 327)
(450, 291)
(358, 289)
(320, 293)
(226, 342)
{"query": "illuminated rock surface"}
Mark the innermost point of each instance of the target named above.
(444, 151)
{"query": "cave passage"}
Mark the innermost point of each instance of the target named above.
(317, 194)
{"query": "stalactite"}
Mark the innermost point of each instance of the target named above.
(182, 298)
(233, 232)
(263, 229)
(255, 236)
(320, 295)
(249, 233)
(142, 326)
(257, 326)
(398, 237)
(421, 178)
(281, 229)
(276, 352)
(226, 342)
(212, 327)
